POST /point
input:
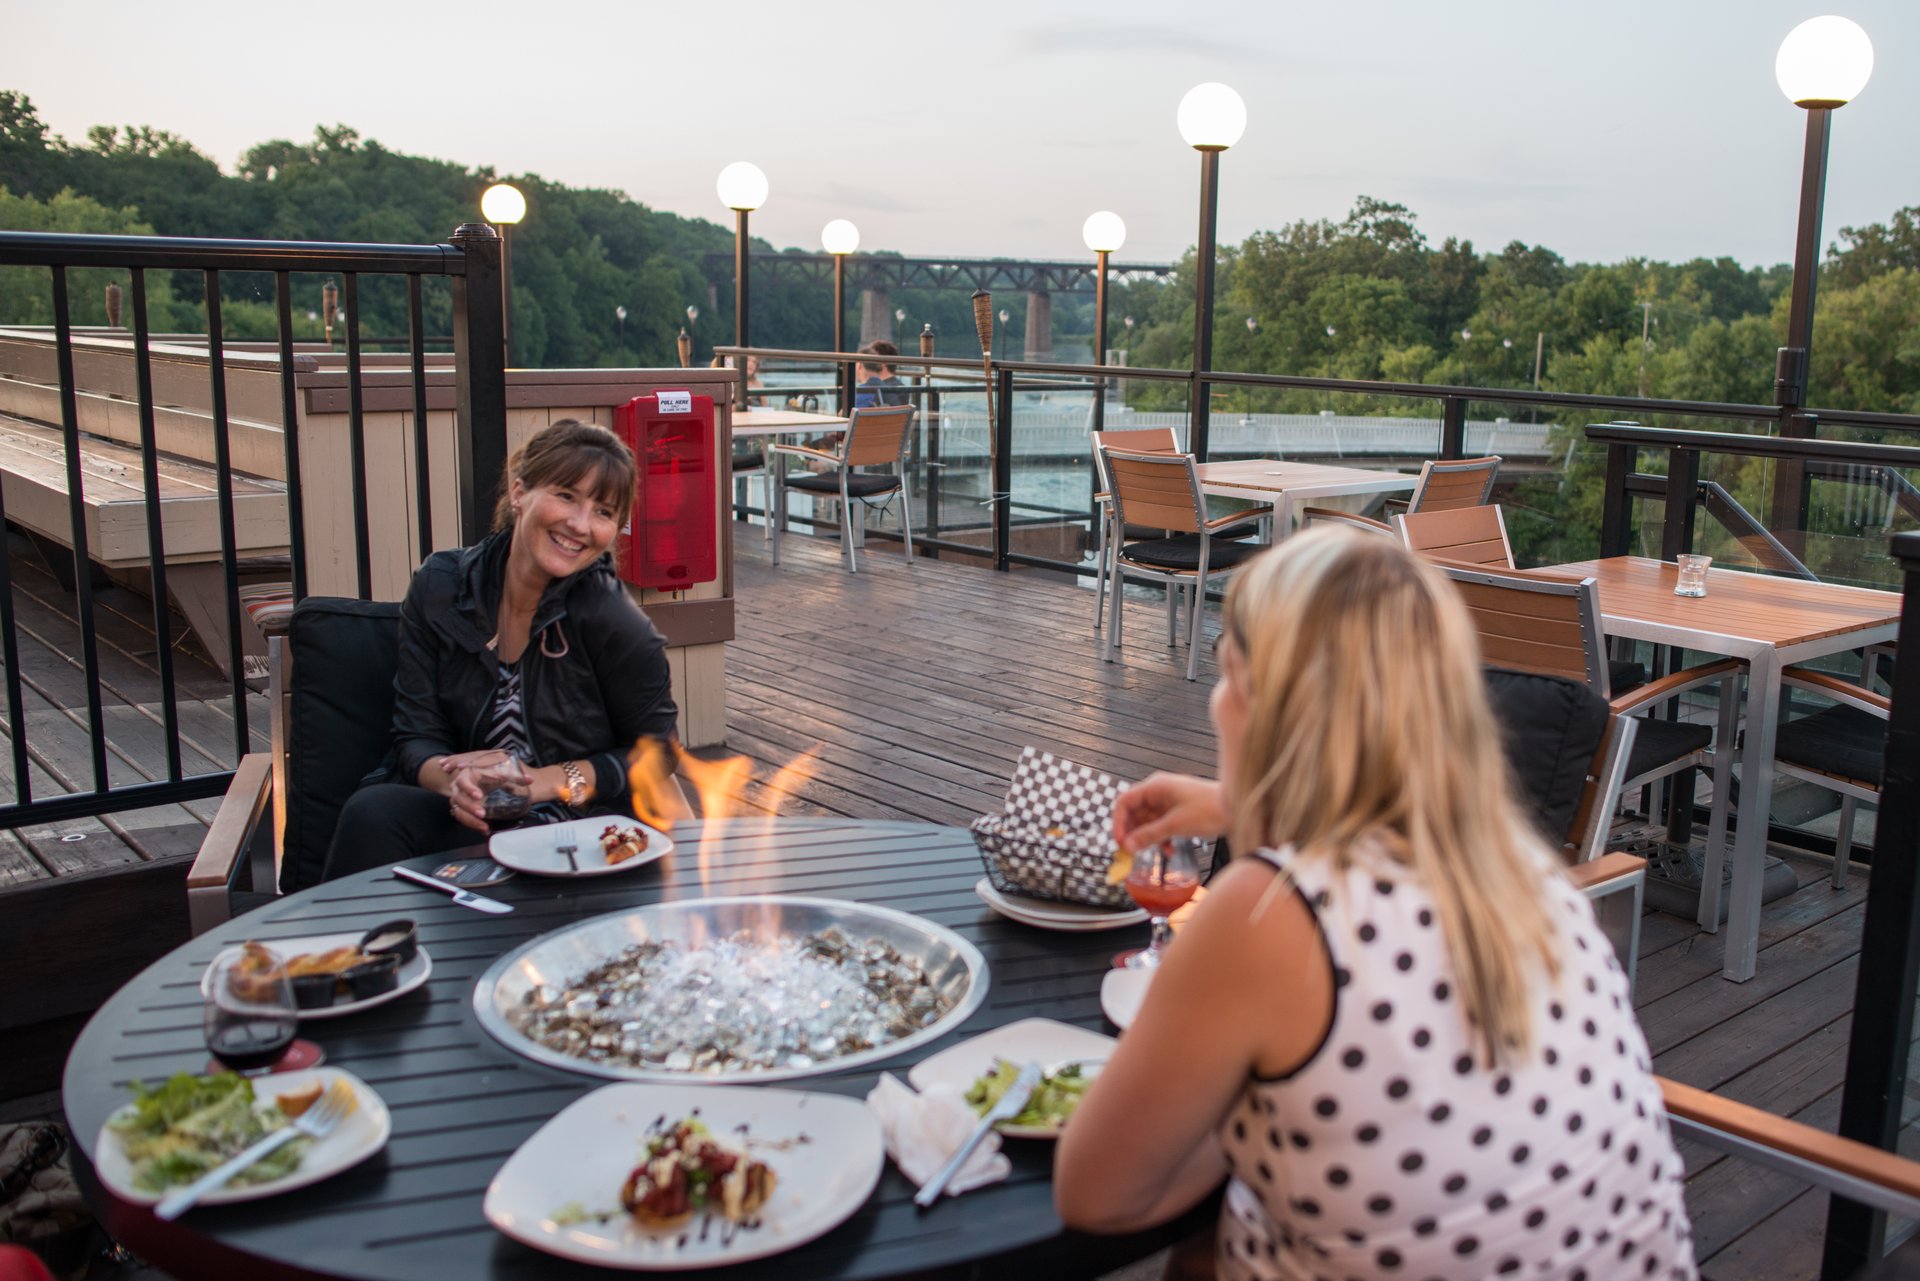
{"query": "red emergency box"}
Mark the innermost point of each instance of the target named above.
(669, 541)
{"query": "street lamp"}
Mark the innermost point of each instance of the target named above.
(1104, 234)
(899, 326)
(1211, 118)
(329, 303)
(504, 207)
(1466, 360)
(743, 189)
(1001, 348)
(620, 314)
(839, 238)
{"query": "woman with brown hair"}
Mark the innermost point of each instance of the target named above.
(526, 643)
(1392, 1025)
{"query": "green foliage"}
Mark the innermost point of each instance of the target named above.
(26, 293)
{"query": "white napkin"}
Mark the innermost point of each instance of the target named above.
(923, 1130)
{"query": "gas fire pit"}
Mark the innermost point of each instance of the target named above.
(731, 989)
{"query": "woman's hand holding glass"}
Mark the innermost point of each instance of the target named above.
(1163, 806)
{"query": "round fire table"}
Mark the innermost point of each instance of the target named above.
(462, 1103)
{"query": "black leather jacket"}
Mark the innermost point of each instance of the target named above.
(594, 673)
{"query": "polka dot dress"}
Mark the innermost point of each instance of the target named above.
(1395, 1153)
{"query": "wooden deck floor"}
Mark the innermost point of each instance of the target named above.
(916, 689)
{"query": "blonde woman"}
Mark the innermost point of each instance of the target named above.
(1392, 1025)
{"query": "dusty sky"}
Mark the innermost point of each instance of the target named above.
(1603, 130)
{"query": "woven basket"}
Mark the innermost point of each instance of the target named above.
(1066, 867)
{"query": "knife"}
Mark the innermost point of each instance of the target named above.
(464, 897)
(1009, 1105)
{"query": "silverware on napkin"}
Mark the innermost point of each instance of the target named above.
(1008, 1105)
(464, 897)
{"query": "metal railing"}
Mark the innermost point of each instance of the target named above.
(471, 262)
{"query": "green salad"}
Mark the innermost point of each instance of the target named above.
(1050, 1104)
(178, 1131)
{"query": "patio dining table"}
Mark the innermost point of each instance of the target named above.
(1290, 485)
(462, 1103)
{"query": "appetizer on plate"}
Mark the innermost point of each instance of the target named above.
(622, 843)
(687, 1172)
(1048, 1107)
(177, 1132)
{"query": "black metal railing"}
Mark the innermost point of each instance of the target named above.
(471, 263)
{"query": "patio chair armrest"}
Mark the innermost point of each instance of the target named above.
(1675, 683)
(1739, 1121)
(1588, 876)
(1237, 518)
(1838, 689)
(804, 451)
(224, 847)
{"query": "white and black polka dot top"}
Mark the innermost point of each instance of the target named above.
(1395, 1153)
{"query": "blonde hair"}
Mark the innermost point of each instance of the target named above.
(1367, 720)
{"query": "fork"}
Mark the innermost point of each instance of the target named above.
(563, 843)
(316, 1123)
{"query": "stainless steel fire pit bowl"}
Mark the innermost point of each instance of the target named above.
(534, 974)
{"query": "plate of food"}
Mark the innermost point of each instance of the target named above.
(982, 1068)
(333, 975)
(173, 1133)
(1046, 914)
(601, 845)
(660, 1178)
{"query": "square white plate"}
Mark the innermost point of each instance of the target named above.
(414, 973)
(358, 1136)
(532, 849)
(1047, 1042)
(583, 1156)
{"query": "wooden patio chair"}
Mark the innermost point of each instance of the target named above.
(875, 437)
(1314, 517)
(331, 718)
(1842, 747)
(1450, 485)
(1143, 440)
(1475, 535)
(1162, 491)
(1552, 626)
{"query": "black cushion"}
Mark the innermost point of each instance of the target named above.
(1837, 740)
(860, 484)
(749, 460)
(1550, 728)
(340, 716)
(1182, 551)
(1248, 530)
(1662, 742)
(1622, 677)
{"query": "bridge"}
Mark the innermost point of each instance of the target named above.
(876, 275)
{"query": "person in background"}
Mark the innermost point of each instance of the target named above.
(877, 383)
(527, 643)
(1392, 1025)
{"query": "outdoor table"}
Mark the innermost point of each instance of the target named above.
(462, 1103)
(783, 422)
(1269, 480)
(1770, 623)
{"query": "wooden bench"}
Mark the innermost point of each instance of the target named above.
(33, 479)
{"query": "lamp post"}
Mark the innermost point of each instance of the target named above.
(839, 238)
(620, 314)
(329, 300)
(504, 207)
(1104, 233)
(1822, 64)
(899, 326)
(1466, 358)
(1211, 118)
(743, 189)
(1000, 347)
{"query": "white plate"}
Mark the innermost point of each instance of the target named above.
(531, 849)
(360, 1134)
(412, 974)
(1051, 1044)
(583, 1156)
(1048, 915)
(1121, 993)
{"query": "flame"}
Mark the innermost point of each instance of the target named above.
(720, 789)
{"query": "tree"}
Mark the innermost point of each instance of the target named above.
(1875, 249)
(26, 293)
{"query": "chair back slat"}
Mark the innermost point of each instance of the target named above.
(1449, 486)
(1137, 440)
(1316, 517)
(1550, 626)
(1474, 535)
(878, 436)
(1160, 490)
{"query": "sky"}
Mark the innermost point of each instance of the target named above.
(1631, 128)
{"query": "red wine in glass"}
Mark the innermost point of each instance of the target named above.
(250, 1019)
(506, 791)
(252, 1044)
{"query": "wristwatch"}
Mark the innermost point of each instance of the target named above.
(576, 791)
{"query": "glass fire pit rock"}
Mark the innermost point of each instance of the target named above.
(731, 989)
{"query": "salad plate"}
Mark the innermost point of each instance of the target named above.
(535, 850)
(561, 1191)
(1053, 1045)
(413, 973)
(203, 1121)
(1046, 914)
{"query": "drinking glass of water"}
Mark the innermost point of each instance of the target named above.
(1693, 575)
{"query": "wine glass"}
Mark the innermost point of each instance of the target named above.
(506, 790)
(1164, 876)
(250, 1018)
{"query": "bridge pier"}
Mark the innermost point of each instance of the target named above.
(1039, 336)
(876, 314)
